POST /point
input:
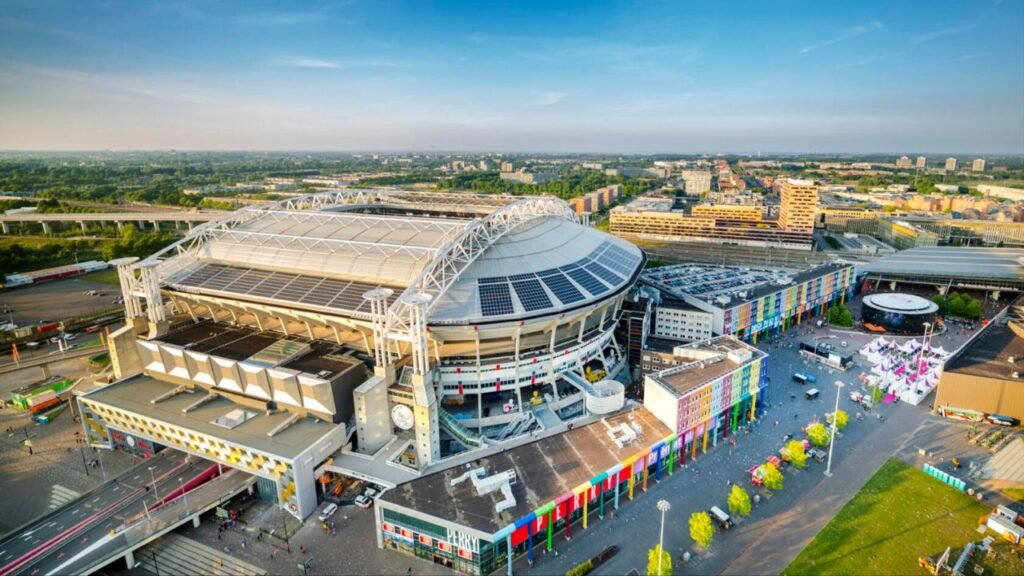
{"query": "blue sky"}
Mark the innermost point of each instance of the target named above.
(646, 76)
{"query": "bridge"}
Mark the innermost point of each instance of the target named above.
(116, 518)
(179, 218)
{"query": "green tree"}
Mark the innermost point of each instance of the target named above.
(797, 454)
(584, 568)
(701, 529)
(940, 301)
(843, 420)
(955, 305)
(818, 434)
(739, 501)
(876, 394)
(973, 310)
(653, 556)
(772, 476)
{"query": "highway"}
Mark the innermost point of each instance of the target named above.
(79, 534)
(115, 217)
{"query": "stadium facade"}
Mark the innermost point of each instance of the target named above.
(412, 329)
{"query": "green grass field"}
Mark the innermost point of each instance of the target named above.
(108, 276)
(1014, 494)
(899, 515)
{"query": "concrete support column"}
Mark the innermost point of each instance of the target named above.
(46, 228)
(3, 226)
(195, 521)
(156, 225)
(177, 224)
(46, 371)
(82, 224)
(508, 552)
(129, 559)
(189, 226)
(120, 225)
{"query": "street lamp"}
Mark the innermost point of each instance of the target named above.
(664, 506)
(184, 494)
(153, 478)
(835, 422)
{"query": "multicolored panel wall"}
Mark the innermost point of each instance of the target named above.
(590, 491)
(768, 311)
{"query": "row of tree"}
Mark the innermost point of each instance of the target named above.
(702, 529)
(840, 315)
(960, 305)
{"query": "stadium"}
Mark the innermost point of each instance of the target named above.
(406, 327)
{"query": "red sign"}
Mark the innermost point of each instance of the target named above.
(520, 535)
(406, 533)
(426, 540)
(464, 553)
(444, 546)
(387, 527)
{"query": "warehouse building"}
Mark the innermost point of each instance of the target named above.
(984, 377)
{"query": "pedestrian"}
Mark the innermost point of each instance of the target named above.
(302, 549)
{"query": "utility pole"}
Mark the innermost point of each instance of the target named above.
(663, 506)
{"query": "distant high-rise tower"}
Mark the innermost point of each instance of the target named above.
(903, 162)
(506, 166)
(921, 162)
(978, 165)
(950, 164)
(798, 201)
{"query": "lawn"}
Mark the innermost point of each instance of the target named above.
(1014, 494)
(899, 515)
(108, 276)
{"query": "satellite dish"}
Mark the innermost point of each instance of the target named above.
(402, 416)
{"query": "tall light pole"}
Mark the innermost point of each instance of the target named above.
(664, 506)
(184, 494)
(153, 478)
(835, 421)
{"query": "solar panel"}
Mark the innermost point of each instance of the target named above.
(299, 288)
(532, 295)
(549, 272)
(604, 273)
(515, 277)
(492, 280)
(587, 280)
(495, 299)
(563, 289)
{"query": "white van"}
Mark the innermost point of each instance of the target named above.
(720, 517)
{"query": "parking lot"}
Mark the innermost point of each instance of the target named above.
(56, 301)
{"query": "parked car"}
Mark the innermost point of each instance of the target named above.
(327, 512)
(723, 520)
(363, 502)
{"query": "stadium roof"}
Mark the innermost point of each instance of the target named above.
(941, 264)
(480, 258)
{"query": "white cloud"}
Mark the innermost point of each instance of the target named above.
(302, 62)
(858, 30)
(549, 98)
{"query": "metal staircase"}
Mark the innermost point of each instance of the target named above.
(463, 435)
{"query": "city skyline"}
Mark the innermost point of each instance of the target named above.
(932, 78)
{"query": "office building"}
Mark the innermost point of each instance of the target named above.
(950, 165)
(903, 162)
(506, 166)
(978, 165)
(799, 199)
(922, 162)
(696, 182)
(748, 302)
(270, 339)
(678, 320)
(523, 177)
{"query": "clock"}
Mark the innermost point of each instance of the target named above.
(402, 416)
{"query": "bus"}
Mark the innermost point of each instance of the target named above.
(804, 378)
(1000, 420)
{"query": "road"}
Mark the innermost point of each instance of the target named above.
(114, 217)
(93, 514)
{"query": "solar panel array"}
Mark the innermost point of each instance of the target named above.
(495, 299)
(605, 268)
(298, 288)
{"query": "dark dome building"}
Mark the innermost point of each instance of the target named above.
(899, 313)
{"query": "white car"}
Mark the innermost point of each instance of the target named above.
(363, 502)
(843, 344)
(327, 512)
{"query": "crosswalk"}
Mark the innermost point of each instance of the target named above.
(59, 496)
(176, 554)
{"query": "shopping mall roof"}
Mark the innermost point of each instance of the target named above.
(544, 470)
(219, 418)
(997, 351)
(960, 266)
(728, 286)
